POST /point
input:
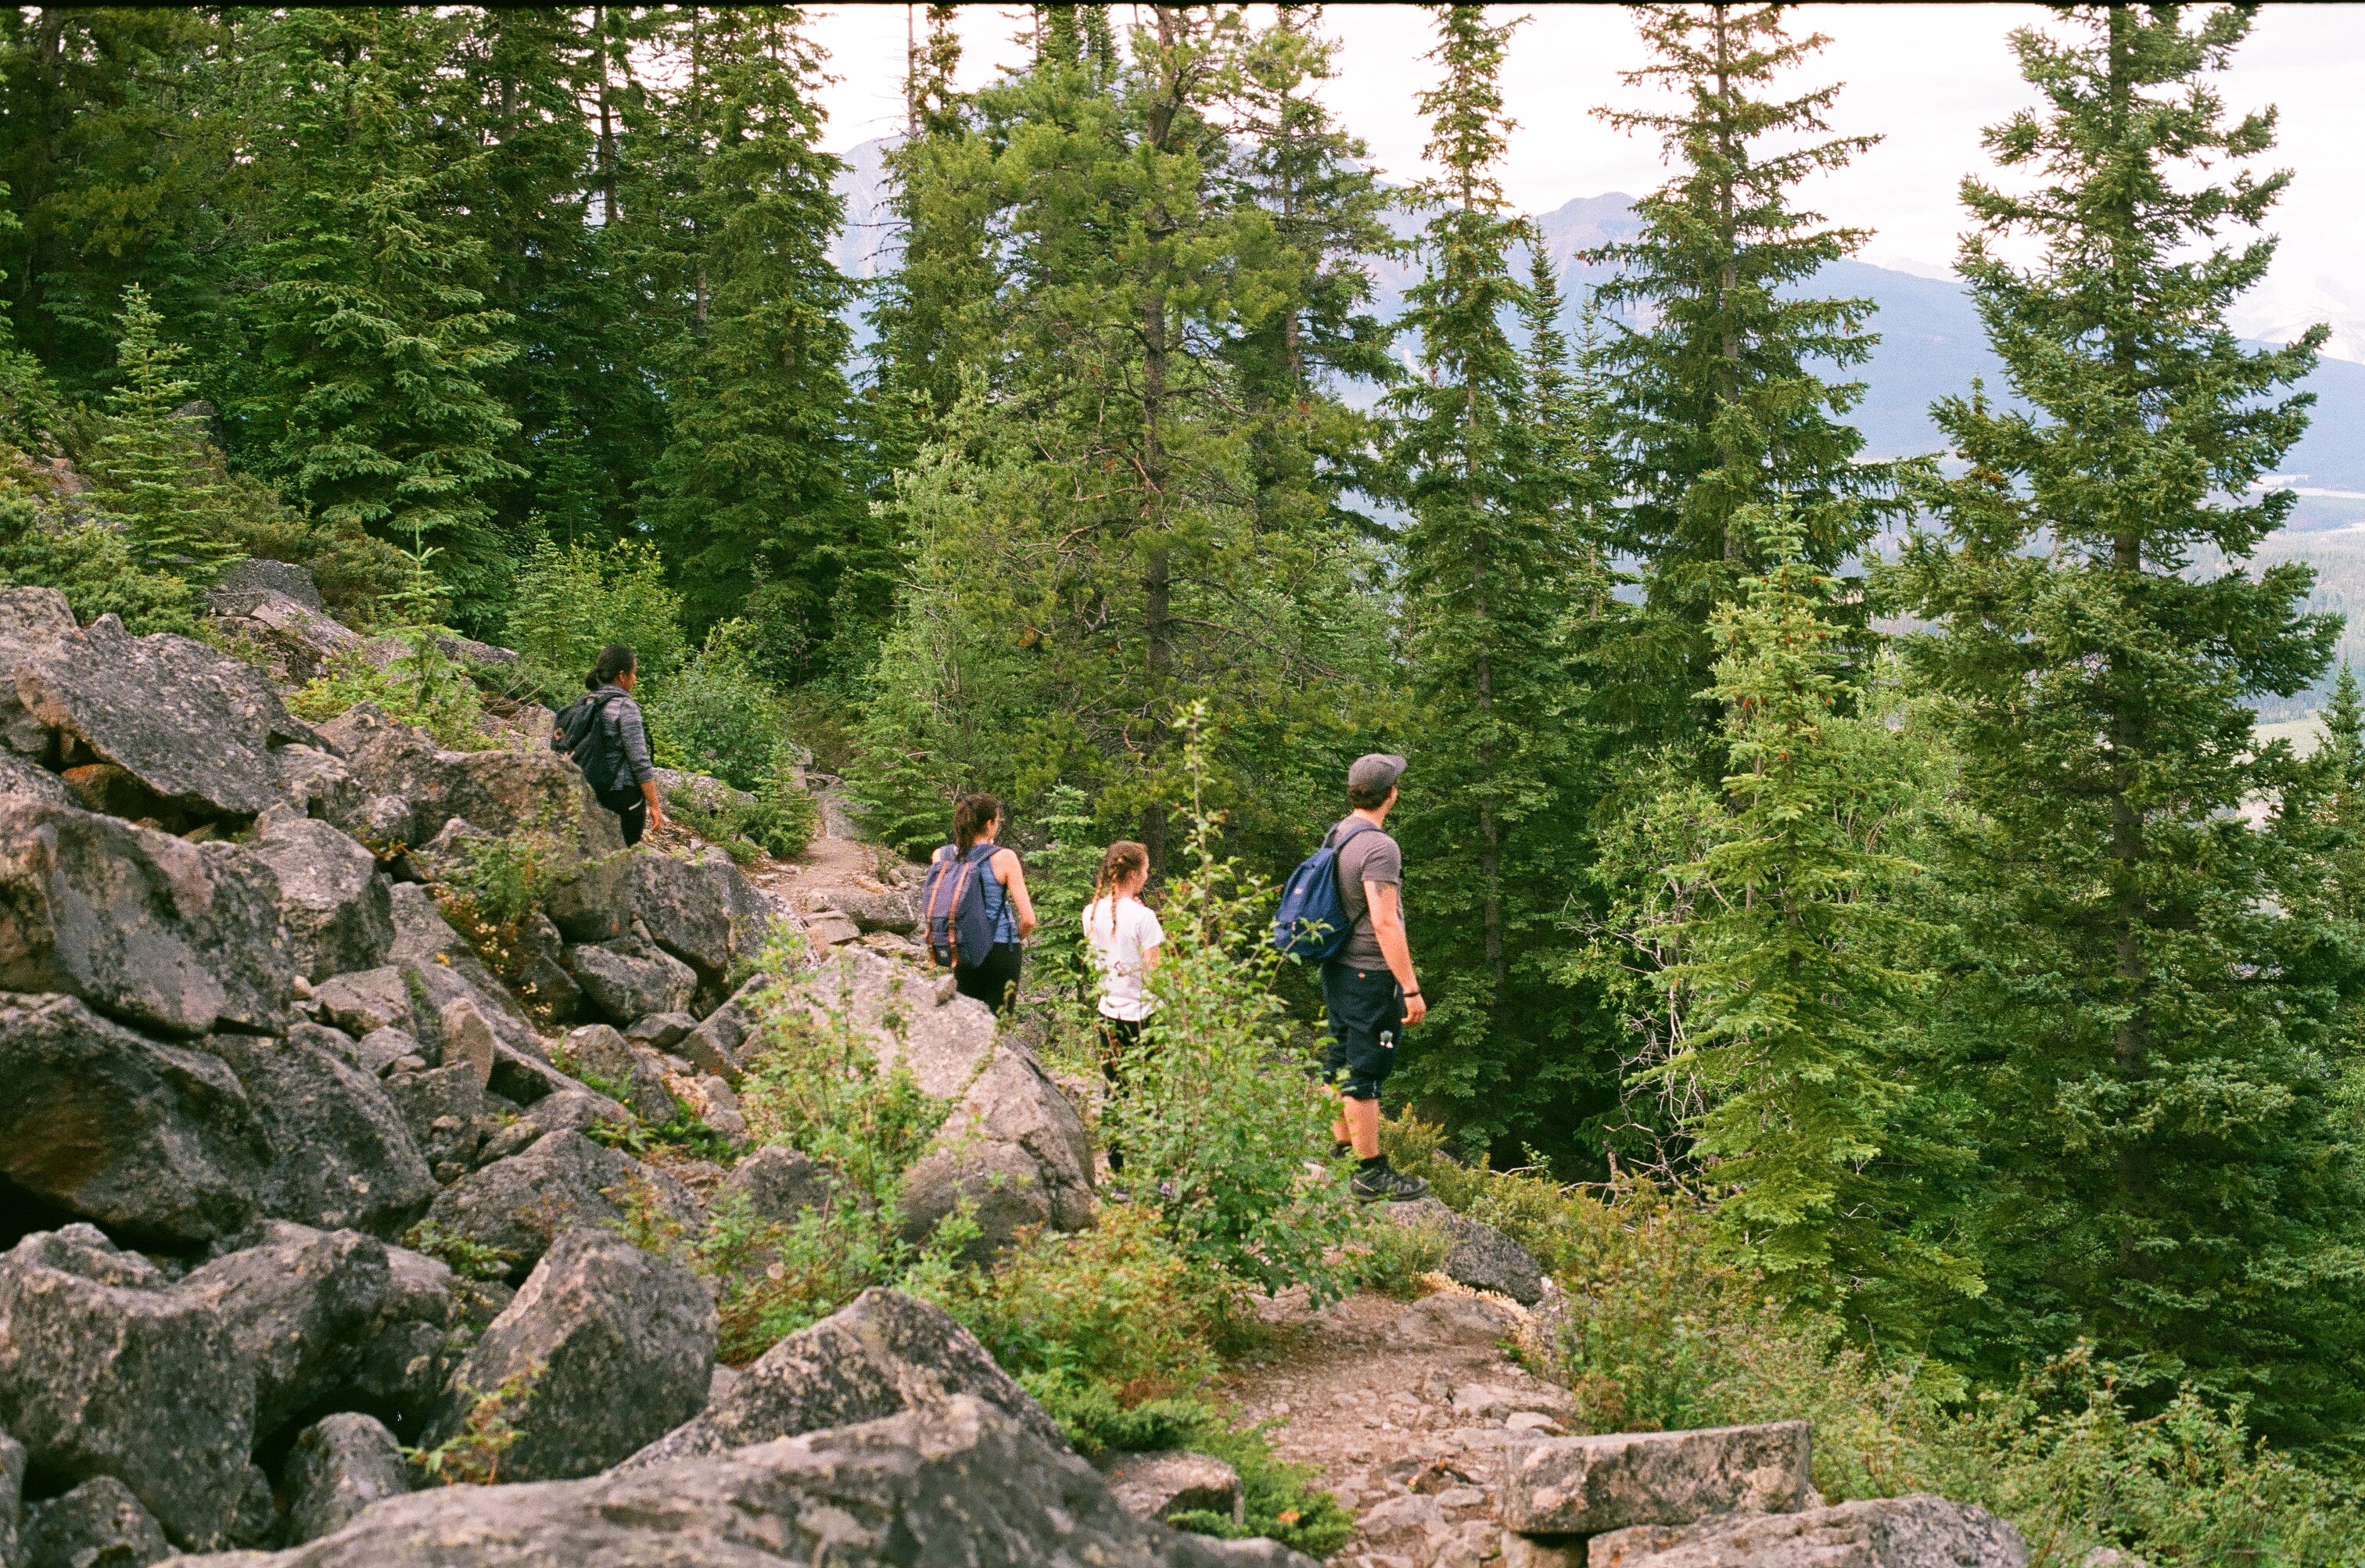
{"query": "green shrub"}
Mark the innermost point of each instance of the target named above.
(425, 688)
(780, 822)
(1218, 1121)
(90, 562)
(1392, 1257)
(458, 1251)
(569, 604)
(716, 715)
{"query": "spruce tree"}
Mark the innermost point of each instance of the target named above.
(151, 476)
(2145, 1003)
(375, 333)
(753, 491)
(1721, 391)
(1496, 804)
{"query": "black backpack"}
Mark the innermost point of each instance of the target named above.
(581, 734)
(952, 907)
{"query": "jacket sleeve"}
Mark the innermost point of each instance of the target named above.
(635, 739)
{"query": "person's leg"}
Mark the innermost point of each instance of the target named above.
(1004, 976)
(1334, 1057)
(974, 979)
(1120, 1038)
(1373, 1013)
(632, 812)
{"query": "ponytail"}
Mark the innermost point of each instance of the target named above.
(972, 817)
(615, 659)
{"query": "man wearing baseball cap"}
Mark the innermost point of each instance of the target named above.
(1368, 985)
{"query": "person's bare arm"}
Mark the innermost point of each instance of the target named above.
(1387, 924)
(657, 807)
(1012, 876)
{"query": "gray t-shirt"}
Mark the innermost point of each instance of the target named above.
(1370, 856)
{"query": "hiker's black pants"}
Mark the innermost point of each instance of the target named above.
(632, 808)
(995, 981)
(1367, 1011)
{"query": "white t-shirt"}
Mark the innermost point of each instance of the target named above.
(1119, 939)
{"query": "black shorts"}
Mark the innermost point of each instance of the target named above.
(632, 808)
(993, 982)
(1367, 1013)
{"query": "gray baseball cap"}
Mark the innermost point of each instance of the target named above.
(1375, 774)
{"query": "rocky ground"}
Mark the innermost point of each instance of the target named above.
(297, 1173)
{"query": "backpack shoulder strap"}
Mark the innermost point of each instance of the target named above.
(1349, 829)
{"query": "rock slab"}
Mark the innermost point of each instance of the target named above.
(99, 1524)
(340, 1465)
(1477, 1254)
(1591, 1484)
(340, 1153)
(518, 1205)
(1173, 1481)
(1913, 1531)
(609, 1348)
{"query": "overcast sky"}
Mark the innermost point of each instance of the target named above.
(1925, 77)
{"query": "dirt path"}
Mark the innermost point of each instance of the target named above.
(1400, 1408)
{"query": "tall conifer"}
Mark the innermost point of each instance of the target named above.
(2144, 1005)
(150, 473)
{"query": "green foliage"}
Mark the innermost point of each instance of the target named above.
(567, 604)
(781, 822)
(471, 1456)
(425, 688)
(465, 1255)
(717, 715)
(1392, 1258)
(151, 473)
(88, 560)
(1218, 1120)
(2144, 992)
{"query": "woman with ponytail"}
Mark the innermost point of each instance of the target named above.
(978, 820)
(1125, 936)
(603, 733)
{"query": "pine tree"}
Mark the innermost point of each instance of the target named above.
(2343, 748)
(152, 476)
(1798, 1034)
(752, 490)
(375, 332)
(2144, 1001)
(1722, 398)
(1495, 796)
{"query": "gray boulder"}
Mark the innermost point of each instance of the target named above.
(627, 979)
(377, 1051)
(518, 1206)
(156, 1142)
(99, 1524)
(254, 575)
(661, 1031)
(881, 1354)
(956, 1483)
(302, 641)
(315, 784)
(1913, 1531)
(364, 1003)
(702, 912)
(1479, 1255)
(607, 1347)
(576, 1110)
(338, 915)
(340, 1465)
(12, 1497)
(448, 1115)
(303, 1307)
(141, 1383)
(635, 1075)
(194, 726)
(446, 969)
(430, 1315)
(1013, 1143)
(146, 928)
(870, 909)
(777, 1183)
(19, 777)
(340, 1155)
(720, 1044)
(1173, 1481)
(1591, 1484)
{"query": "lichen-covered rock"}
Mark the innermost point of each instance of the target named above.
(627, 979)
(12, 1497)
(1173, 1481)
(336, 907)
(1590, 1485)
(661, 1031)
(870, 909)
(99, 1524)
(704, 912)
(880, 1354)
(303, 1307)
(1913, 1531)
(255, 575)
(19, 777)
(315, 784)
(607, 1348)
(718, 1044)
(778, 1183)
(518, 1206)
(958, 1483)
(573, 1110)
(131, 1381)
(146, 928)
(194, 726)
(302, 641)
(1478, 1255)
(448, 1115)
(340, 1465)
(366, 1001)
(340, 1155)
(155, 1141)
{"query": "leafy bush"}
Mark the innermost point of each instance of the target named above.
(569, 604)
(716, 716)
(780, 822)
(471, 1456)
(1218, 1121)
(90, 562)
(1392, 1257)
(423, 686)
(461, 1253)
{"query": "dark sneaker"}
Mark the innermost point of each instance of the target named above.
(1386, 1186)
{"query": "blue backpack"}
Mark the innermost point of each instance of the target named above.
(958, 927)
(1312, 920)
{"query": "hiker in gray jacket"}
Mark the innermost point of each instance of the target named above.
(631, 790)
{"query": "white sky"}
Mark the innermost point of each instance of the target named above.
(1926, 77)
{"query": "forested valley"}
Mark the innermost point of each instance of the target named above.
(1877, 851)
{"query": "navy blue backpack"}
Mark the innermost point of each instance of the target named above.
(1312, 920)
(955, 922)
